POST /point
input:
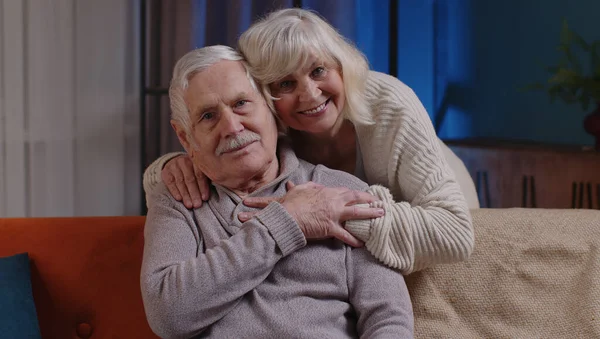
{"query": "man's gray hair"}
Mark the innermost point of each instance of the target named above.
(191, 64)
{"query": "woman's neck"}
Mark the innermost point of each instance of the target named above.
(336, 150)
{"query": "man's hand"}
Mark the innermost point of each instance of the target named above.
(184, 182)
(321, 211)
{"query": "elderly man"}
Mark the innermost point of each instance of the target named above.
(207, 274)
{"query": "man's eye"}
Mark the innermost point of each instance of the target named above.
(207, 116)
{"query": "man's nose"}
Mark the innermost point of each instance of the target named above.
(309, 91)
(230, 123)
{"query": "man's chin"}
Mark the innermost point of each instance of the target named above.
(248, 166)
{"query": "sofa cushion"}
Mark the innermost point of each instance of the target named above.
(85, 274)
(18, 317)
(534, 273)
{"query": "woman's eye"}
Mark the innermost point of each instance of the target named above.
(285, 85)
(319, 71)
(241, 103)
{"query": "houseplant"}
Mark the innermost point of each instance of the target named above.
(577, 81)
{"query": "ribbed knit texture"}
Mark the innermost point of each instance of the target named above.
(430, 223)
(152, 174)
(276, 218)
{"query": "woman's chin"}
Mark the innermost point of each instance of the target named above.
(317, 126)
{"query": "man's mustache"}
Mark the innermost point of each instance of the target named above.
(239, 141)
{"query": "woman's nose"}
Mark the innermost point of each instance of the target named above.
(309, 91)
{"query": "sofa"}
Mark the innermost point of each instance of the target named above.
(534, 273)
(85, 274)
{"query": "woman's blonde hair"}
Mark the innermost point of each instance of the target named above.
(284, 40)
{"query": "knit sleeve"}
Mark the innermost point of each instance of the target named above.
(379, 296)
(152, 174)
(186, 287)
(430, 223)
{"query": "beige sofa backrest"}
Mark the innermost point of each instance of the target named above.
(534, 273)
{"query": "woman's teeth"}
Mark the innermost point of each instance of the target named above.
(317, 109)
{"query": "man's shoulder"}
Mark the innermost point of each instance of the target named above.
(161, 196)
(333, 178)
(325, 176)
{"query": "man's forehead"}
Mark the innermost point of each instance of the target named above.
(225, 80)
(222, 76)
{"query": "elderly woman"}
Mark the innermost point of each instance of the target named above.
(343, 116)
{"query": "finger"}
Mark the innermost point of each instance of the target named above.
(245, 216)
(259, 202)
(179, 183)
(356, 212)
(170, 182)
(191, 184)
(345, 236)
(308, 184)
(184, 194)
(313, 184)
(352, 197)
(203, 185)
(289, 185)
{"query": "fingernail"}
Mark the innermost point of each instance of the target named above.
(380, 211)
(243, 215)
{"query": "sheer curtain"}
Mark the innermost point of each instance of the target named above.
(69, 108)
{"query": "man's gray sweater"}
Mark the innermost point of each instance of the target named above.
(206, 274)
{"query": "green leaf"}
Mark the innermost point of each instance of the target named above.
(562, 47)
(564, 76)
(580, 41)
(563, 93)
(567, 80)
(572, 59)
(553, 92)
(595, 91)
(563, 62)
(567, 97)
(565, 33)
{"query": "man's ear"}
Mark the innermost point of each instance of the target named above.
(182, 136)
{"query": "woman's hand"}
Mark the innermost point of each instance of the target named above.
(321, 211)
(184, 182)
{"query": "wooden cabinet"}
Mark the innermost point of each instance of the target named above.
(511, 174)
